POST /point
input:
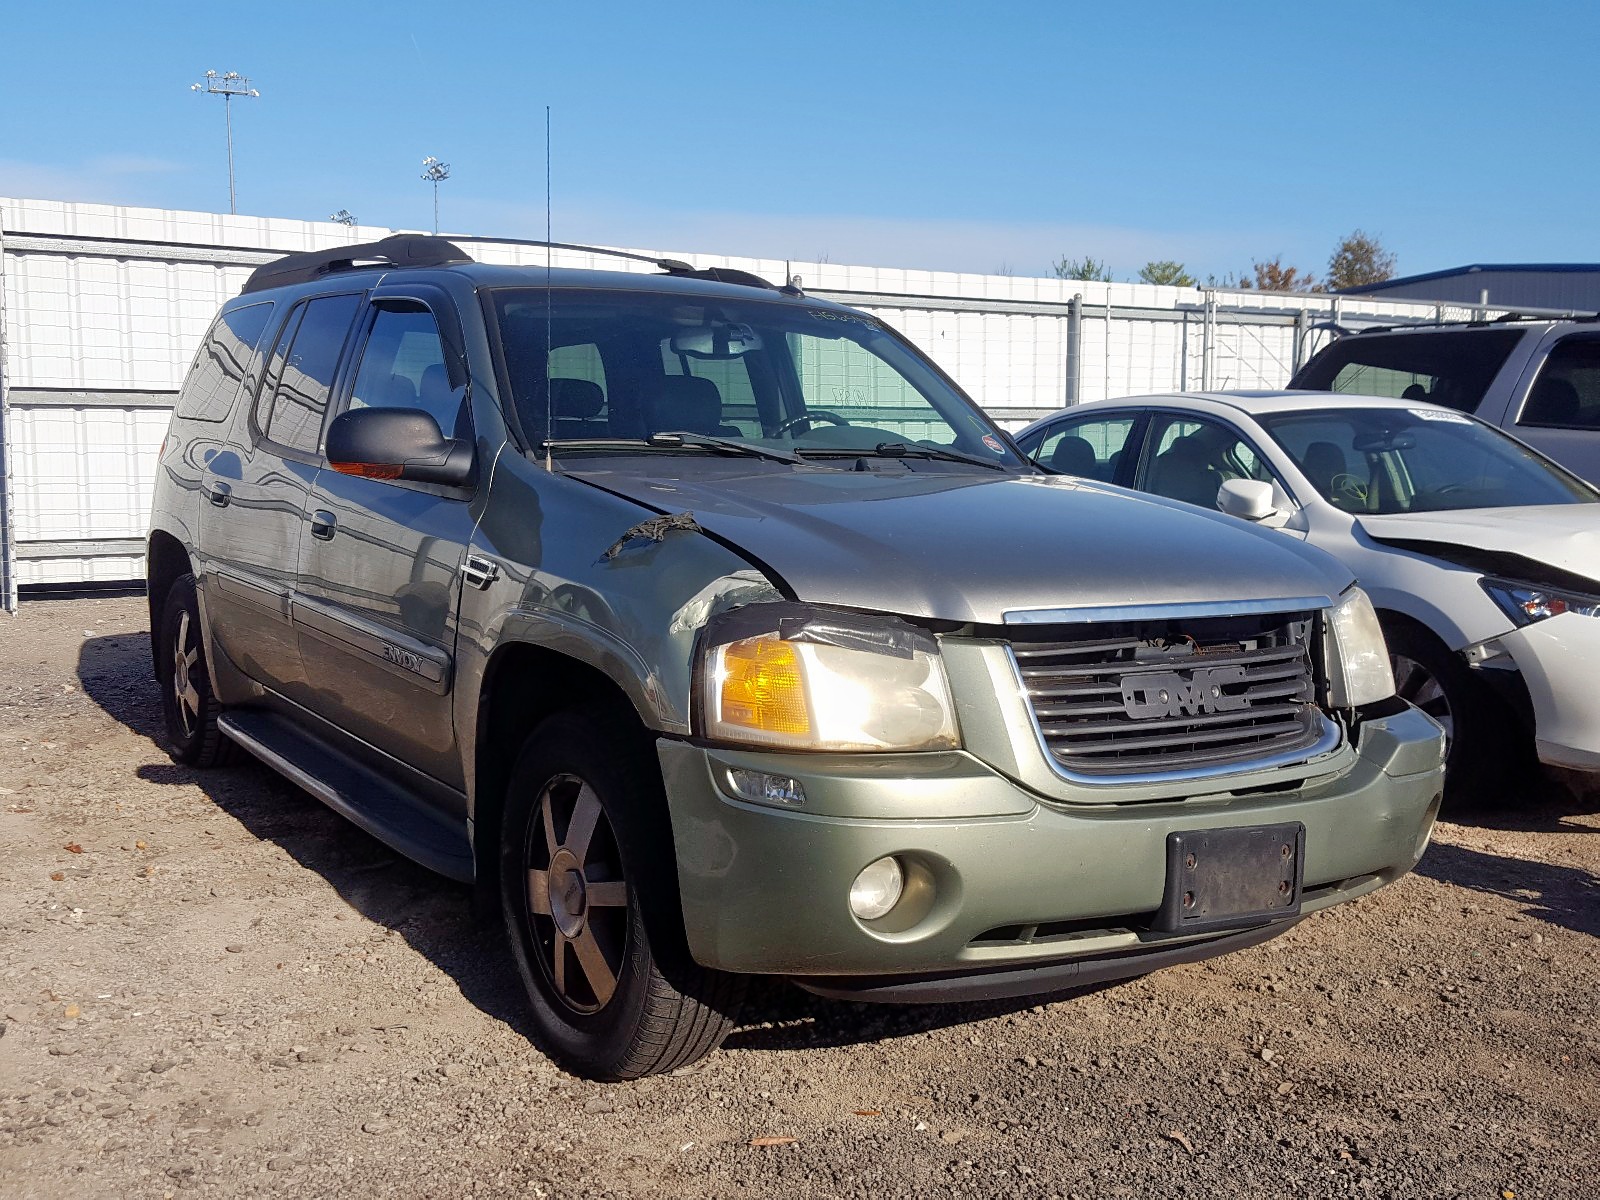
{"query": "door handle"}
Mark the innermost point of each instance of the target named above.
(479, 572)
(323, 524)
(220, 494)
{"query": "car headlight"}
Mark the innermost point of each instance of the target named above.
(800, 678)
(1357, 657)
(1526, 603)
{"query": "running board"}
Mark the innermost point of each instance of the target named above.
(354, 791)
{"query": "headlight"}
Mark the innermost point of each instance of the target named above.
(1526, 603)
(799, 678)
(1357, 657)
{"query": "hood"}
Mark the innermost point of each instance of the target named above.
(1564, 536)
(959, 547)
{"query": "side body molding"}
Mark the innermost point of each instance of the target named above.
(399, 653)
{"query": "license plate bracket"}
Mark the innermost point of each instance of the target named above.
(1229, 878)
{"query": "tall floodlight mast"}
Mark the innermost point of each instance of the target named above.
(435, 172)
(227, 86)
(343, 217)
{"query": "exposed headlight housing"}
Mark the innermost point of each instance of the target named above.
(793, 677)
(1357, 657)
(1526, 603)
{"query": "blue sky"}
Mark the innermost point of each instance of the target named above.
(943, 135)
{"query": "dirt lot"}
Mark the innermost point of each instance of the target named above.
(211, 984)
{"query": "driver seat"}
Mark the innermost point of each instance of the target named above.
(691, 404)
(1324, 463)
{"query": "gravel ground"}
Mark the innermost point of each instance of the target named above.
(210, 984)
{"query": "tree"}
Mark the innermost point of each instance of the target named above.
(1083, 268)
(1240, 282)
(1357, 260)
(1166, 272)
(1273, 276)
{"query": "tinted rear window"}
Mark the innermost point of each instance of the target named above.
(302, 394)
(1452, 369)
(1567, 393)
(220, 366)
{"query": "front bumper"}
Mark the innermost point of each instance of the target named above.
(1557, 658)
(1011, 881)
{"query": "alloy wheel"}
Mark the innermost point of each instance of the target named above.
(1415, 683)
(185, 658)
(576, 896)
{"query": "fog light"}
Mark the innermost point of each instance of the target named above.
(877, 889)
(762, 788)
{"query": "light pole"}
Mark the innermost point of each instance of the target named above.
(227, 86)
(343, 217)
(435, 172)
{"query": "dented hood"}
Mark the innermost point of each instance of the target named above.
(971, 548)
(1565, 536)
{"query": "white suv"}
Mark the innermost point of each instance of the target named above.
(1539, 380)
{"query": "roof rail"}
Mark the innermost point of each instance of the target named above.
(400, 250)
(1517, 317)
(672, 266)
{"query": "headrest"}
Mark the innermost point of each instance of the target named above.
(1325, 456)
(435, 384)
(1075, 456)
(687, 402)
(576, 399)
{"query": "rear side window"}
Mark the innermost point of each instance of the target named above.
(1453, 369)
(301, 396)
(220, 367)
(1093, 449)
(1566, 395)
(402, 366)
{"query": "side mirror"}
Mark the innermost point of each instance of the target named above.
(1250, 499)
(397, 443)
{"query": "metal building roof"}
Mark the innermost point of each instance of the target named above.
(1503, 285)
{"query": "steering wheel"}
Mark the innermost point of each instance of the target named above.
(805, 418)
(1428, 495)
(1349, 488)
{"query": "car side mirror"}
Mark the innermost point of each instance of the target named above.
(397, 443)
(1249, 499)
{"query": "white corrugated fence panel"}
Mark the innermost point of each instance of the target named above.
(84, 473)
(100, 568)
(125, 314)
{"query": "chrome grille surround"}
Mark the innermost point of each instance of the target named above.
(1186, 696)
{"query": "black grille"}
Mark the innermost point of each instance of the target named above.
(1169, 697)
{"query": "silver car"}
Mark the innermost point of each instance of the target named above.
(1481, 555)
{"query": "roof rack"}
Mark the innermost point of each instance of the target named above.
(422, 250)
(672, 266)
(1534, 315)
(400, 250)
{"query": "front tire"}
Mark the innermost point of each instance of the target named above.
(582, 813)
(1482, 750)
(188, 703)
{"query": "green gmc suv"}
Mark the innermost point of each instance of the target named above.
(710, 631)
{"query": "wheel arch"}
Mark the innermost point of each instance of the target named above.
(1403, 609)
(523, 685)
(166, 561)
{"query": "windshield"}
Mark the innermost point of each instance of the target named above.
(1397, 460)
(810, 380)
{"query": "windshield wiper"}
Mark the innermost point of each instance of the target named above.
(670, 441)
(900, 450)
(721, 443)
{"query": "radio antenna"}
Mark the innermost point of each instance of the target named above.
(549, 339)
